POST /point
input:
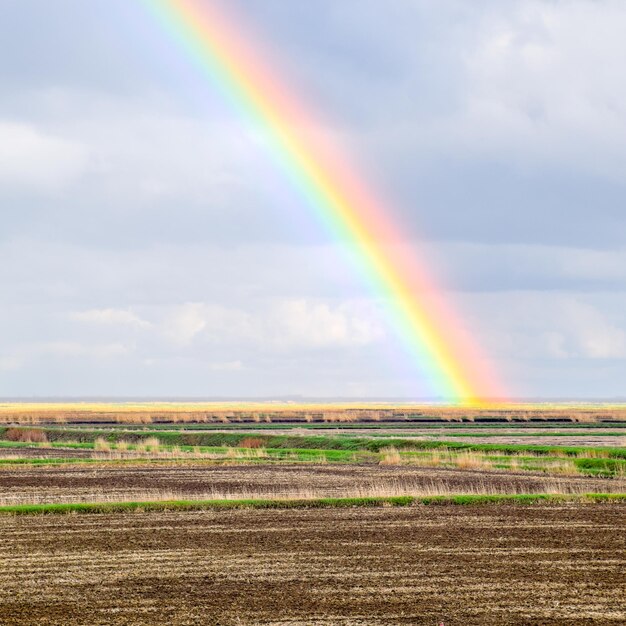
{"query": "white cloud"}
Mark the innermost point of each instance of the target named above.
(532, 82)
(22, 355)
(141, 153)
(10, 363)
(32, 157)
(545, 79)
(185, 323)
(595, 336)
(287, 324)
(110, 316)
(545, 325)
(303, 323)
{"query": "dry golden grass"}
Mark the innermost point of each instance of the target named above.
(152, 444)
(256, 412)
(101, 445)
(471, 460)
(375, 489)
(390, 456)
(150, 448)
(596, 453)
(566, 468)
(25, 435)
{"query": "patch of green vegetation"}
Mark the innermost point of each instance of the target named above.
(601, 467)
(315, 442)
(195, 505)
(50, 461)
(16, 444)
(295, 455)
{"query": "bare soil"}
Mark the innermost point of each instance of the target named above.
(98, 482)
(562, 440)
(458, 565)
(46, 453)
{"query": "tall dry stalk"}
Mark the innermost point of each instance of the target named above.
(390, 456)
(101, 445)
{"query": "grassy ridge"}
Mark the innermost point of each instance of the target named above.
(312, 442)
(588, 460)
(587, 467)
(268, 454)
(196, 505)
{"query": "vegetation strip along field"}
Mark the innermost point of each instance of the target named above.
(194, 505)
(607, 461)
(316, 442)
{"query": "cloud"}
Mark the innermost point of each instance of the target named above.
(226, 366)
(302, 323)
(32, 158)
(10, 363)
(76, 349)
(148, 175)
(594, 335)
(185, 323)
(552, 326)
(471, 267)
(289, 324)
(110, 317)
(25, 354)
(540, 88)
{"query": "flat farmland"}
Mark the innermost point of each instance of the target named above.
(160, 481)
(199, 522)
(305, 413)
(495, 564)
(596, 437)
(579, 439)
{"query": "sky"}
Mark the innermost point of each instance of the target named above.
(148, 246)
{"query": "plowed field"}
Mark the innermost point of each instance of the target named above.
(461, 565)
(88, 483)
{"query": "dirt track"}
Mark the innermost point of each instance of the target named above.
(462, 565)
(69, 483)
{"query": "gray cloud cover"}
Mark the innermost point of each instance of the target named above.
(148, 246)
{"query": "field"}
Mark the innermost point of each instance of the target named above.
(306, 413)
(456, 564)
(189, 481)
(415, 516)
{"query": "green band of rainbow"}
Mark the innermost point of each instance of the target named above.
(447, 357)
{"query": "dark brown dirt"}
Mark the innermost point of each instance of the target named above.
(461, 565)
(70, 483)
(46, 453)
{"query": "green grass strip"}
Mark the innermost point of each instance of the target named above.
(315, 442)
(311, 442)
(198, 505)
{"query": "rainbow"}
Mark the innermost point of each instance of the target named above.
(217, 44)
